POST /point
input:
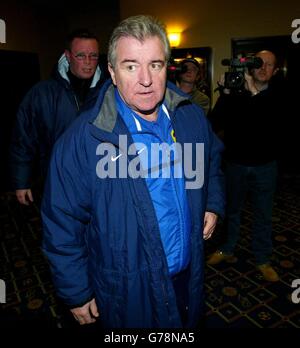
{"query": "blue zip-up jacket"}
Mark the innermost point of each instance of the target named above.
(45, 113)
(101, 234)
(168, 194)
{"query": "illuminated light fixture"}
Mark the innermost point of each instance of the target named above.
(174, 39)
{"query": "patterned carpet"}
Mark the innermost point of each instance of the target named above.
(236, 294)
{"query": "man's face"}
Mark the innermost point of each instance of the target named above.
(268, 69)
(192, 73)
(140, 74)
(83, 57)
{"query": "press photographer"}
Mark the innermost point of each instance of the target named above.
(247, 116)
(188, 79)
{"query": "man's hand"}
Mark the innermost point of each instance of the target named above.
(221, 83)
(210, 222)
(249, 84)
(87, 313)
(24, 196)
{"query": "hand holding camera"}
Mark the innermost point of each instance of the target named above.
(249, 84)
(221, 85)
(238, 77)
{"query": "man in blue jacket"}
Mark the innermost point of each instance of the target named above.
(50, 107)
(134, 187)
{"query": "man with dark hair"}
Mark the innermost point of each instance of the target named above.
(50, 107)
(80, 33)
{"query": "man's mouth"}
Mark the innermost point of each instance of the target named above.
(145, 93)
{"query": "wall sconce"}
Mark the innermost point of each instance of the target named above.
(174, 39)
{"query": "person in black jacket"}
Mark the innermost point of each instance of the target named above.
(51, 106)
(248, 122)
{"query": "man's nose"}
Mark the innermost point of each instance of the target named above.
(87, 59)
(264, 64)
(145, 77)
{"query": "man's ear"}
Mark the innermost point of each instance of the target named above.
(112, 73)
(68, 55)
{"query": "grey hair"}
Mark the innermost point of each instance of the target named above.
(139, 27)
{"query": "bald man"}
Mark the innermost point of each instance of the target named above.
(249, 124)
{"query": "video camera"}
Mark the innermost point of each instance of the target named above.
(234, 78)
(174, 69)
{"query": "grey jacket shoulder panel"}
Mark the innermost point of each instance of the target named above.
(107, 116)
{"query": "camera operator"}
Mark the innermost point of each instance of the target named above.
(248, 122)
(188, 79)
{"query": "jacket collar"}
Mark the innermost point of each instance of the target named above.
(107, 117)
(63, 67)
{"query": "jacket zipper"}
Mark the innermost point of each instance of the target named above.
(76, 101)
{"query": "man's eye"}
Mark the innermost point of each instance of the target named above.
(131, 67)
(156, 66)
(94, 56)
